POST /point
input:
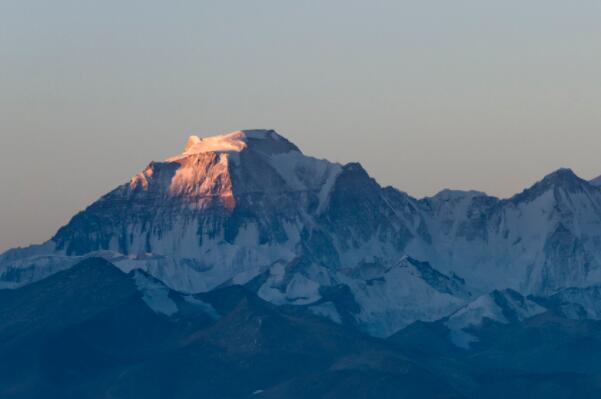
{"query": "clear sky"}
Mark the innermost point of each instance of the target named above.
(487, 95)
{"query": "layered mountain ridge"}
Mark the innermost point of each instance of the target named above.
(250, 208)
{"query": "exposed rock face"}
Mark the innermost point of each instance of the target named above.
(250, 208)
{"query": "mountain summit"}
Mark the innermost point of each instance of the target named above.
(267, 141)
(249, 208)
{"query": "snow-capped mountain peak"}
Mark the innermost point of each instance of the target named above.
(248, 207)
(564, 177)
(265, 141)
(498, 306)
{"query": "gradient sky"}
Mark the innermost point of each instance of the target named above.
(487, 95)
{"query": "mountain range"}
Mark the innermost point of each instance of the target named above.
(444, 296)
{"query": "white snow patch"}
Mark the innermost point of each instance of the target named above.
(302, 290)
(299, 290)
(303, 173)
(392, 298)
(228, 142)
(485, 307)
(472, 315)
(326, 189)
(327, 310)
(155, 294)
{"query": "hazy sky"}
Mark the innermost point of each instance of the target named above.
(489, 95)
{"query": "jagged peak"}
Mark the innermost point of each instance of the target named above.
(563, 178)
(561, 175)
